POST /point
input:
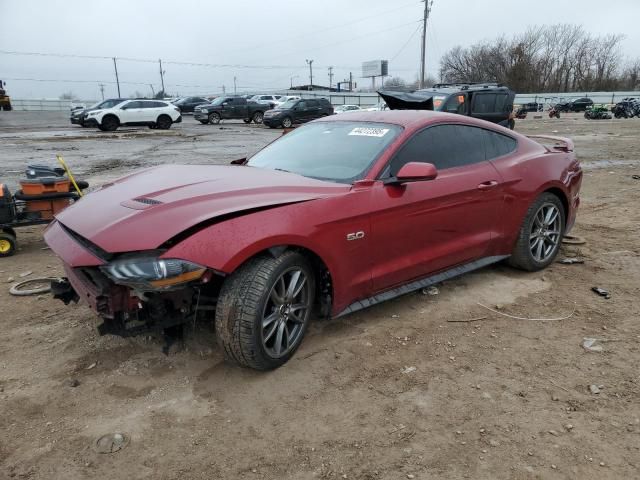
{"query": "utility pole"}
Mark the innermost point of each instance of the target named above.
(423, 51)
(350, 82)
(330, 77)
(310, 63)
(115, 67)
(235, 90)
(101, 90)
(162, 77)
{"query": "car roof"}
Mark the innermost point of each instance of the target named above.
(449, 88)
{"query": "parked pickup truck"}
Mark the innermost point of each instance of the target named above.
(230, 108)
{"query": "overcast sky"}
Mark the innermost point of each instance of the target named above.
(276, 35)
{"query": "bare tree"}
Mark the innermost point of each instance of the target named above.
(553, 58)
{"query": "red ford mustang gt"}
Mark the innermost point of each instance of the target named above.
(335, 216)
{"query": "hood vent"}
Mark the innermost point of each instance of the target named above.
(147, 201)
(140, 203)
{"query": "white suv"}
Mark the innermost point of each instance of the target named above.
(266, 99)
(153, 113)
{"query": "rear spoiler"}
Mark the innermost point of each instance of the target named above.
(559, 143)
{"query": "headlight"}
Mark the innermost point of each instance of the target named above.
(153, 273)
(204, 110)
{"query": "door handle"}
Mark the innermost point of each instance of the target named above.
(488, 185)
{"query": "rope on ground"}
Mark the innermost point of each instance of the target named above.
(17, 288)
(529, 319)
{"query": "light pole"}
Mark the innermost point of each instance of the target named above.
(310, 63)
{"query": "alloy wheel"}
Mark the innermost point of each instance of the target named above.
(285, 313)
(544, 236)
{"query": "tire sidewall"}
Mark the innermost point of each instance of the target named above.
(544, 199)
(290, 122)
(214, 118)
(295, 260)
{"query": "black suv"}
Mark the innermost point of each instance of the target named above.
(297, 111)
(188, 104)
(577, 105)
(487, 101)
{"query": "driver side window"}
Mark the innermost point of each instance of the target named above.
(445, 146)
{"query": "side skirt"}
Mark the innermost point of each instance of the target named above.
(423, 283)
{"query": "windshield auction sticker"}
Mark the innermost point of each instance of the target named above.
(369, 132)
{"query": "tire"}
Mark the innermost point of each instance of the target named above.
(204, 122)
(164, 122)
(214, 118)
(255, 293)
(109, 124)
(8, 244)
(246, 120)
(287, 122)
(545, 219)
(257, 117)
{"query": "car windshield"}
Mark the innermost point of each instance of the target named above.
(286, 105)
(108, 103)
(219, 101)
(335, 151)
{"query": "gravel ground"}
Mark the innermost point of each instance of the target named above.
(424, 386)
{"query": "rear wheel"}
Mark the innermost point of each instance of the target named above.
(7, 244)
(257, 117)
(246, 120)
(287, 122)
(214, 118)
(164, 122)
(264, 309)
(540, 235)
(109, 124)
(204, 122)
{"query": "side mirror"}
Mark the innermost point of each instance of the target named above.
(413, 172)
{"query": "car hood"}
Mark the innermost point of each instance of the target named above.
(144, 210)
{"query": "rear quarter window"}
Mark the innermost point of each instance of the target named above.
(497, 145)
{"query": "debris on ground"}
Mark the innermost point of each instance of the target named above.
(635, 177)
(602, 292)
(408, 369)
(432, 290)
(571, 260)
(25, 274)
(573, 240)
(72, 382)
(595, 389)
(111, 443)
(589, 344)
(33, 286)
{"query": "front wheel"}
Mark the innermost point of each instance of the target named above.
(7, 244)
(109, 124)
(540, 235)
(263, 310)
(287, 122)
(214, 118)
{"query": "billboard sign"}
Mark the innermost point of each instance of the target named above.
(375, 68)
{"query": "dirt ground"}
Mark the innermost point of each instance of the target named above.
(411, 388)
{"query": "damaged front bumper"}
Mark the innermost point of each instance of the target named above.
(125, 310)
